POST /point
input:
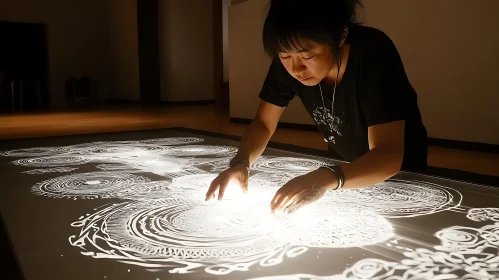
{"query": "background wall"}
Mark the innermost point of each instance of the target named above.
(186, 50)
(248, 64)
(99, 38)
(78, 39)
(449, 49)
(225, 22)
(124, 50)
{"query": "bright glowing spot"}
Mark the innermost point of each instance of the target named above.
(234, 192)
(92, 182)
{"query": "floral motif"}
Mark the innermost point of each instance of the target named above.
(323, 116)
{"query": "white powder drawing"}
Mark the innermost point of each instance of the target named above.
(274, 179)
(483, 214)
(464, 253)
(401, 199)
(89, 185)
(173, 141)
(35, 152)
(50, 170)
(288, 164)
(53, 161)
(114, 167)
(392, 198)
(219, 237)
(165, 157)
(199, 150)
(164, 223)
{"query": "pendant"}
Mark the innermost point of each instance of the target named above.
(330, 139)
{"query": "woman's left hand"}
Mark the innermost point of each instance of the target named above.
(302, 190)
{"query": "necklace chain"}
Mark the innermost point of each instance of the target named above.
(334, 92)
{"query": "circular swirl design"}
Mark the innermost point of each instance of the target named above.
(459, 238)
(271, 180)
(201, 150)
(89, 185)
(287, 164)
(370, 269)
(398, 199)
(182, 229)
(115, 149)
(53, 161)
(222, 236)
(35, 152)
(338, 226)
(173, 141)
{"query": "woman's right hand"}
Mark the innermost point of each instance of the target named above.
(237, 175)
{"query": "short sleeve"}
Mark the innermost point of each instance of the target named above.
(385, 87)
(277, 88)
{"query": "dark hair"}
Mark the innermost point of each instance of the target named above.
(322, 21)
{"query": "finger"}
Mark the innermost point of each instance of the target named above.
(292, 200)
(275, 200)
(292, 208)
(244, 187)
(214, 186)
(281, 199)
(222, 188)
(288, 200)
(296, 203)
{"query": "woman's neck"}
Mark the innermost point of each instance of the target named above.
(333, 74)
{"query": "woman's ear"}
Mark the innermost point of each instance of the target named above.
(345, 32)
(344, 36)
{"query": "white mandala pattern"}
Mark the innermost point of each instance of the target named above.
(53, 161)
(173, 141)
(35, 152)
(50, 170)
(218, 237)
(401, 199)
(164, 223)
(199, 150)
(464, 253)
(287, 164)
(89, 185)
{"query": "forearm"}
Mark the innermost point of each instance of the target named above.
(372, 168)
(254, 141)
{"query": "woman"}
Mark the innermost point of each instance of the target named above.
(352, 81)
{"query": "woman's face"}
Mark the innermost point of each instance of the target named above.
(309, 65)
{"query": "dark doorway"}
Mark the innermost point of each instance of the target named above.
(148, 37)
(24, 67)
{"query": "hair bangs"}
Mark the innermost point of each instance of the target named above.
(288, 42)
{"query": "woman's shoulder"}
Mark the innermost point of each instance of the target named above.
(372, 44)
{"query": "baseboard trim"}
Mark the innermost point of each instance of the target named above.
(444, 143)
(463, 145)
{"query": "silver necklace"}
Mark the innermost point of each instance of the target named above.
(331, 138)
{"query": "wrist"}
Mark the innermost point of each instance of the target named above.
(235, 162)
(335, 177)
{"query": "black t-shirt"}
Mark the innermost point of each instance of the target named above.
(374, 90)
